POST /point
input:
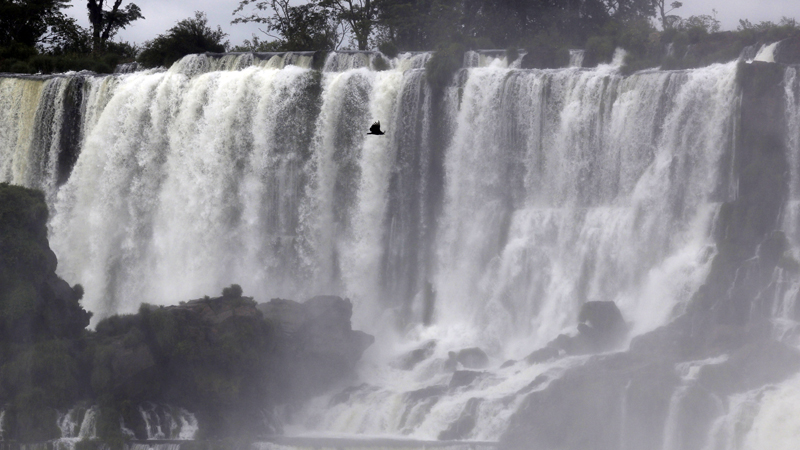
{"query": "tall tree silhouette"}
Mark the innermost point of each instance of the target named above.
(106, 22)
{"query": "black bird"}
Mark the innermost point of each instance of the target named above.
(376, 128)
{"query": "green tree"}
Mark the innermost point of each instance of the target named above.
(360, 15)
(107, 22)
(255, 44)
(667, 21)
(28, 22)
(192, 35)
(68, 37)
(309, 26)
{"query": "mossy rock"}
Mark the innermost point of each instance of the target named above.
(444, 63)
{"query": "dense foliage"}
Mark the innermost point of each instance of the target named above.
(308, 26)
(192, 35)
(29, 22)
(106, 22)
(37, 37)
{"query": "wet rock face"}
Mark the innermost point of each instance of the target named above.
(601, 325)
(41, 322)
(462, 426)
(600, 328)
(315, 343)
(35, 303)
(583, 408)
(468, 358)
(319, 327)
(754, 365)
(416, 356)
(788, 51)
(462, 378)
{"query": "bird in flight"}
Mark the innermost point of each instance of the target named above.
(376, 128)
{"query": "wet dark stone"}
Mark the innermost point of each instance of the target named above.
(463, 378)
(754, 365)
(425, 393)
(788, 51)
(346, 393)
(542, 355)
(508, 363)
(538, 381)
(601, 325)
(469, 358)
(416, 356)
(461, 428)
(582, 409)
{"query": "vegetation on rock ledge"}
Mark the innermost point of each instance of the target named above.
(221, 357)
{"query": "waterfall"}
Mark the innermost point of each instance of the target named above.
(757, 419)
(576, 58)
(485, 216)
(784, 305)
(71, 422)
(552, 189)
(167, 423)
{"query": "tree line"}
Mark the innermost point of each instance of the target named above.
(37, 36)
(414, 25)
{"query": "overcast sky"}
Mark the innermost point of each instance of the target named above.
(161, 15)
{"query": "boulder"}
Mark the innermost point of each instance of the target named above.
(425, 393)
(288, 316)
(463, 378)
(416, 356)
(601, 325)
(320, 326)
(469, 358)
(316, 344)
(600, 328)
(542, 355)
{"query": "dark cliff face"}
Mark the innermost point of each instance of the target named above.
(221, 357)
(727, 319)
(226, 359)
(35, 304)
(41, 321)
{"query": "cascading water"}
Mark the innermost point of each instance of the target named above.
(485, 217)
(784, 305)
(163, 422)
(761, 418)
(576, 58)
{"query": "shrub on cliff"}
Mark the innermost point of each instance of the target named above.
(444, 63)
(546, 51)
(212, 356)
(191, 35)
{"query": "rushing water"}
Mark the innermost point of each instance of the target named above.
(512, 200)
